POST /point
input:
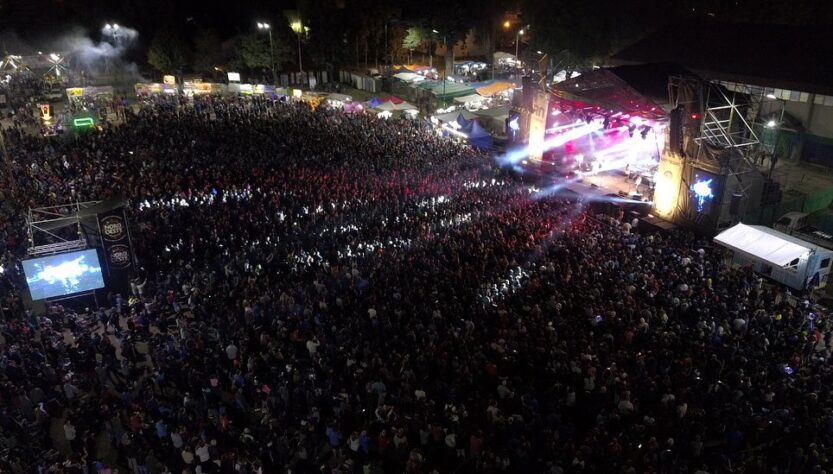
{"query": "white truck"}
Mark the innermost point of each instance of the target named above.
(797, 224)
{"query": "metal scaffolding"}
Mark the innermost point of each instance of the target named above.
(43, 224)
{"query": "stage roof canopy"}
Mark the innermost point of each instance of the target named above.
(782, 56)
(601, 90)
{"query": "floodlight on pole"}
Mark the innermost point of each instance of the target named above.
(299, 28)
(518, 43)
(445, 68)
(268, 28)
(771, 124)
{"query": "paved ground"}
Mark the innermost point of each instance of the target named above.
(802, 177)
(105, 451)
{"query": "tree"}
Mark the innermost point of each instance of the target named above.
(168, 52)
(414, 39)
(578, 33)
(370, 20)
(325, 44)
(208, 50)
(253, 50)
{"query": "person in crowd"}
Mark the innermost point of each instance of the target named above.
(325, 292)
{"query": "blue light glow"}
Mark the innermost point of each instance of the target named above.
(702, 189)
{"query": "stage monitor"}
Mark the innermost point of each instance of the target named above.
(63, 274)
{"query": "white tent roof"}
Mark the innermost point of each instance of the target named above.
(409, 77)
(764, 243)
(468, 98)
(340, 97)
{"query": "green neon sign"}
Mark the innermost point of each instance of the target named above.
(83, 122)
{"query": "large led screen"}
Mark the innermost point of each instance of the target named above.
(704, 189)
(63, 274)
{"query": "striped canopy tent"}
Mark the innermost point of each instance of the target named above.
(392, 98)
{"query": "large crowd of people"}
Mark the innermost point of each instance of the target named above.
(323, 292)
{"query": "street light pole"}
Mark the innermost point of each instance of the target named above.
(300, 61)
(111, 30)
(299, 28)
(268, 28)
(445, 59)
(518, 43)
(272, 58)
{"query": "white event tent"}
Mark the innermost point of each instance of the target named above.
(782, 257)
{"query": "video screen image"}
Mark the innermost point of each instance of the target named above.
(64, 274)
(703, 190)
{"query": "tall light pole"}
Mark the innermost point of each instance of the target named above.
(445, 59)
(299, 28)
(518, 43)
(111, 30)
(268, 28)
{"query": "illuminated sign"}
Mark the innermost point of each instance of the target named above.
(702, 189)
(234, 77)
(83, 122)
(170, 80)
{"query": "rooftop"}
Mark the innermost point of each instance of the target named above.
(788, 57)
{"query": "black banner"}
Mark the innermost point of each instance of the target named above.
(118, 250)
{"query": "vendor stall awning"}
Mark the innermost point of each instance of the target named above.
(492, 89)
(409, 77)
(453, 116)
(468, 98)
(449, 91)
(764, 243)
(502, 111)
